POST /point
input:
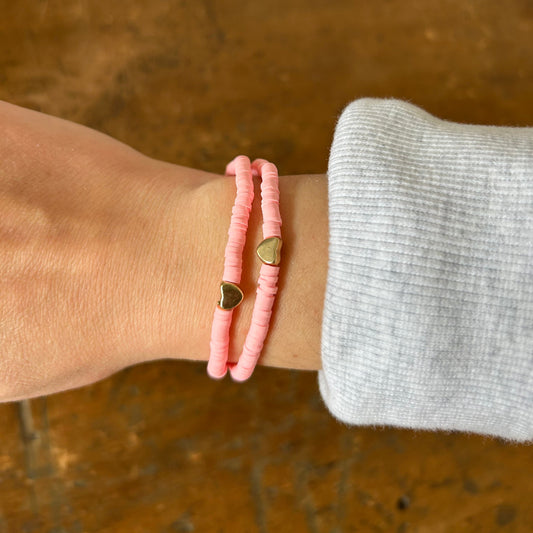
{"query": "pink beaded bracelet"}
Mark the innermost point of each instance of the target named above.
(269, 253)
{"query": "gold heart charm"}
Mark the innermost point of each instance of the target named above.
(230, 295)
(268, 251)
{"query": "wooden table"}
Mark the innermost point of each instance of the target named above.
(160, 447)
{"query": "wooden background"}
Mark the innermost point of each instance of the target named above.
(160, 447)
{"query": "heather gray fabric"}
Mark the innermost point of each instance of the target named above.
(428, 311)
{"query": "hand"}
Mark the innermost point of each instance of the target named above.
(82, 226)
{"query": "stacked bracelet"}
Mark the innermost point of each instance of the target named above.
(269, 253)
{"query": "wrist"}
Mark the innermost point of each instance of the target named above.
(148, 265)
(181, 261)
(293, 339)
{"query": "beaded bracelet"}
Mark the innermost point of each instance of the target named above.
(269, 253)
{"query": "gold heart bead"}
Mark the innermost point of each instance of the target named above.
(269, 251)
(230, 295)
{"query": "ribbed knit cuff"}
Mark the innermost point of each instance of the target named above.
(428, 312)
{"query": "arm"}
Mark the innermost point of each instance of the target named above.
(110, 258)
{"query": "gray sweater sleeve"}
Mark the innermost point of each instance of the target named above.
(428, 311)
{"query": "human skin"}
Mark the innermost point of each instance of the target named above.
(109, 258)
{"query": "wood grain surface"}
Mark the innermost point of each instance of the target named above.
(160, 447)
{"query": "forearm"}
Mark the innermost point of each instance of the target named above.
(294, 336)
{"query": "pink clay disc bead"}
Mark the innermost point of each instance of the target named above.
(241, 168)
(268, 277)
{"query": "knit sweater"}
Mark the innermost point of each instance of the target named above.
(428, 310)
